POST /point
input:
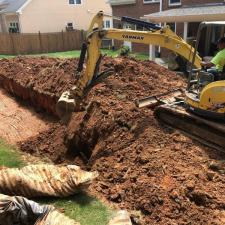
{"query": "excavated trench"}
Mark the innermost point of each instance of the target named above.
(40, 101)
(166, 176)
(31, 92)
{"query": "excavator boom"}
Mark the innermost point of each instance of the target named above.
(164, 37)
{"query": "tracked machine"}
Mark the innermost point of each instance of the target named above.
(200, 110)
(192, 111)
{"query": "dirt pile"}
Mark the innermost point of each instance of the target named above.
(142, 165)
(46, 75)
(40, 82)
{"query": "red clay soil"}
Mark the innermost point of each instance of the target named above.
(16, 120)
(37, 81)
(143, 166)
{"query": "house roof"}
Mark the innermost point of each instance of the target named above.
(12, 6)
(190, 14)
(3, 4)
(121, 2)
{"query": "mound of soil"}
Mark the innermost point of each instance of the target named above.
(143, 166)
(40, 82)
(40, 73)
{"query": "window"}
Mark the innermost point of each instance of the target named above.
(150, 1)
(69, 26)
(128, 26)
(174, 2)
(107, 24)
(14, 27)
(74, 2)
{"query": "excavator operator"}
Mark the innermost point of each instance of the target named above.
(217, 64)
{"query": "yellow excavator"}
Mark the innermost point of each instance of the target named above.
(203, 96)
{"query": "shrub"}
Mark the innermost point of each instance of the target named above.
(124, 51)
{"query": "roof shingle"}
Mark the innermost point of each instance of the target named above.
(12, 6)
(189, 14)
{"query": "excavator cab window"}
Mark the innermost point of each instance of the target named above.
(205, 78)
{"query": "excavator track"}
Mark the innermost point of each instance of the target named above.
(207, 132)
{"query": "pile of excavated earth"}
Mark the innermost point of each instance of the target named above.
(143, 165)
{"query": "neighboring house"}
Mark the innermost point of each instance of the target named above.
(33, 16)
(183, 16)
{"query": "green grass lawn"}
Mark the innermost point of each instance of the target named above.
(8, 156)
(76, 54)
(6, 56)
(81, 207)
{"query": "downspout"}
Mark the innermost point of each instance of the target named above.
(160, 5)
(1, 23)
(152, 47)
(160, 10)
(19, 20)
(5, 26)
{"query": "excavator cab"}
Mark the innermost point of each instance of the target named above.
(202, 77)
(205, 94)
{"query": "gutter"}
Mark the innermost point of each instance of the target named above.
(9, 13)
(188, 18)
(122, 2)
(23, 6)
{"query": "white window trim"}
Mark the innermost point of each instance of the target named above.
(174, 4)
(151, 2)
(69, 22)
(75, 4)
(110, 23)
(66, 25)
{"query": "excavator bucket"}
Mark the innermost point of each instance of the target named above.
(208, 132)
(65, 106)
(166, 98)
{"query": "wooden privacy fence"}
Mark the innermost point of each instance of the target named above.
(15, 44)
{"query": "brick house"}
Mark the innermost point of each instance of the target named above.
(183, 16)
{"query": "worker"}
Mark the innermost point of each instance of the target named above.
(217, 64)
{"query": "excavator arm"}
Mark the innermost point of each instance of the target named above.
(163, 37)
